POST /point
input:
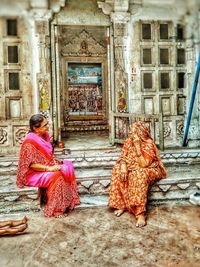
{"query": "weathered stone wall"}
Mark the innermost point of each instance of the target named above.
(39, 82)
(16, 100)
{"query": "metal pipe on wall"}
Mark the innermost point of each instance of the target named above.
(194, 89)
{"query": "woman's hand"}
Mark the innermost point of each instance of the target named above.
(143, 162)
(53, 168)
(123, 171)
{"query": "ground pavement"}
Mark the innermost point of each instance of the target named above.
(95, 237)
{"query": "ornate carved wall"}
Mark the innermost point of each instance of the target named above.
(148, 74)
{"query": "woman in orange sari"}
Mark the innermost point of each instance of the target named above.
(37, 167)
(138, 166)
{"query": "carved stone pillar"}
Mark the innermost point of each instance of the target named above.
(121, 85)
(118, 11)
(44, 74)
(121, 82)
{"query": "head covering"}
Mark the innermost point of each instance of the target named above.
(141, 130)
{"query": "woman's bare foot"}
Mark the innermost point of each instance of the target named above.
(118, 212)
(141, 220)
(61, 216)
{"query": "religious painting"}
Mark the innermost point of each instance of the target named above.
(85, 89)
(84, 73)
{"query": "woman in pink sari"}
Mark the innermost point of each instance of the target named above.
(38, 168)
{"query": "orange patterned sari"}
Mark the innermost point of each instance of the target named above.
(143, 168)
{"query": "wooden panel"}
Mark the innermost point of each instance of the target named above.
(122, 121)
(166, 105)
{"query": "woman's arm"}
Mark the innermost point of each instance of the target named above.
(43, 168)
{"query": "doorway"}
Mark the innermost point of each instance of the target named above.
(84, 79)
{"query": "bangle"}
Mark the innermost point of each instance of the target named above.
(45, 168)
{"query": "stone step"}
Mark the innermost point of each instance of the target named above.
(13, 199)
(93, 170)
(100, 176)
(106, 159)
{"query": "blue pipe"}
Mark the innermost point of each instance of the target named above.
(194, 89)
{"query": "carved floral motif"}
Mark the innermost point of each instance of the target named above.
(3, 136)
(20, 135)
(180, 128)
(166, 131)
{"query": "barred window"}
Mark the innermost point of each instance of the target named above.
(13, 81)
(164, 56)
(181, 80)
(164, 80)
(180, 32)
(147, 81)
(180, 56)
(146, 31)
(146, 52)
(12, 54)
(12, 27)
(164, 31)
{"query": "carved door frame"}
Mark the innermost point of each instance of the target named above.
(57, 80)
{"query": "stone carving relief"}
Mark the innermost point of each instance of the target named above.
(3, 136)
(194, 131)
(166, 130)
(20, 135)
(44, 94)
(83, 45)
(41, 27)
(107, 7)
(180, 128)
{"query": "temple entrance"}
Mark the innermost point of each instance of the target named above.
(84, 84)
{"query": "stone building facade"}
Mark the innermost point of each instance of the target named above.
(98, 65)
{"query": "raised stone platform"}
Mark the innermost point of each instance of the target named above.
(93, 170)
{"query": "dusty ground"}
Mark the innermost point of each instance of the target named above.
(94, 237)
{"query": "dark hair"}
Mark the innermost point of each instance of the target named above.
(35, 121)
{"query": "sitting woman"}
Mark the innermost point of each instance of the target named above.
(37, 167)
(138, 166)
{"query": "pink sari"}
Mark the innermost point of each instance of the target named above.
(61, 187)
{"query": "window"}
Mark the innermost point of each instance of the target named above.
(164, 56)
(180, 32)
(146, 56)
(12, 27)
(181, 80)
(146, 31)
(147, 81)
(180, 56)
(12, 54)
(164, 31)
(164, 81)
(14, 108)
(13, 81)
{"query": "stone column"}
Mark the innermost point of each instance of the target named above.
(120, 17)
(43, 76)
(118, 11)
